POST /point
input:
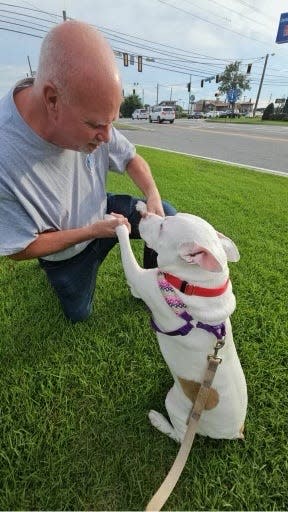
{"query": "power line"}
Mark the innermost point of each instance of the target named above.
(238, 13)
(26, 15)
(252, 8)
(21, 25)
(19, 32)
(210, 22)
(203, 9)
(19, 19)
(30, 9)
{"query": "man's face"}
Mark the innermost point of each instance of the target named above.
(85, 125)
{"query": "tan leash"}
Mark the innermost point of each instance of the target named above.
(164, 491)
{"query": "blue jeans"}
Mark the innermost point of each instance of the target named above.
(74, 280)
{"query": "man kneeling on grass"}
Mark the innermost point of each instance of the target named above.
(57, 145)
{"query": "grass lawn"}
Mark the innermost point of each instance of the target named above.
(74, 399)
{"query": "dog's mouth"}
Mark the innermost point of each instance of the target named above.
(196, 253)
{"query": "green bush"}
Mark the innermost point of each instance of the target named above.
(268, 112)
(279, 116)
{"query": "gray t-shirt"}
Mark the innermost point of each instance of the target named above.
(44, 187)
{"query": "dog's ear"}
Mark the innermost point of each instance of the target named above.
(196, 255)
(229, 247)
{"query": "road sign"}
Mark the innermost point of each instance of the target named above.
(192, 98)
(282, 34)
(233, 95)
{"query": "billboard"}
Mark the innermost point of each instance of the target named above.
(282, 34)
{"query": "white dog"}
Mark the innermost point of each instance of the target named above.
(190, 298)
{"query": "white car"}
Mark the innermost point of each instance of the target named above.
(140, 113)
(160, 114)
(211, 114)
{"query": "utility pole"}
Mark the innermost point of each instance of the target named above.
(157, 94)
(260, 85)
(29, 65)
(189, 92)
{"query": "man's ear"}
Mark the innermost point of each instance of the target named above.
(194, 254)
(229, 247)
(51, 99)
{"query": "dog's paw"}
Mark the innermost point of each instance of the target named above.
(159, 421)
(141, 207)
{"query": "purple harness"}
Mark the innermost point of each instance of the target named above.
(176, 304)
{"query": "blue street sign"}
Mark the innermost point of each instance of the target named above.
(282, 34)
(233, 95)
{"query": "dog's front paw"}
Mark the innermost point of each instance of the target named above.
(122, 228)
(141, 207)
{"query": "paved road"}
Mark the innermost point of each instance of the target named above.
(252, 145)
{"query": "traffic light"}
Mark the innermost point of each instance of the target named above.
(189, 86)
(217, 79)
(140, 63)
(249, 69)
(125, 59)
(202, 83)
(134, 92)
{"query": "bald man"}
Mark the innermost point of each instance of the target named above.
(57, 145)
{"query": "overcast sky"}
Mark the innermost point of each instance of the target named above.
(179, 37)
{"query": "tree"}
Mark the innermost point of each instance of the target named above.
(130, 104)
(233, 80)
(178, 111)
(269, 111)
(285, 108)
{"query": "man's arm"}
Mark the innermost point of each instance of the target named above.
(139, 171)
(55, 241)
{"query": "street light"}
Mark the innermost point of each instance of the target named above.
(261, 81)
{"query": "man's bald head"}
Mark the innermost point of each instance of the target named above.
(78, 60)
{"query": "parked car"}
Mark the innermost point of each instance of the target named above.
(229, 113)
(211, 113)
(140, 113)
(161, 114)
(195, 115)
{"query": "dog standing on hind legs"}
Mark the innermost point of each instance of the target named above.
(190, 297)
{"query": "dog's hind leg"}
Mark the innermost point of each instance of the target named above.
(159, 421)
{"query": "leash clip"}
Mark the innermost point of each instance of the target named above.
(219, 344)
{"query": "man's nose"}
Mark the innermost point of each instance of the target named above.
(104, 133)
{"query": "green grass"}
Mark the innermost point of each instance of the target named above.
(74, 399)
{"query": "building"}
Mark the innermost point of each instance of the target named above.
(204, 105)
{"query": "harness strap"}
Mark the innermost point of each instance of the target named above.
(177, 305)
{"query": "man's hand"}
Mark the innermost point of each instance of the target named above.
(112, 221)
